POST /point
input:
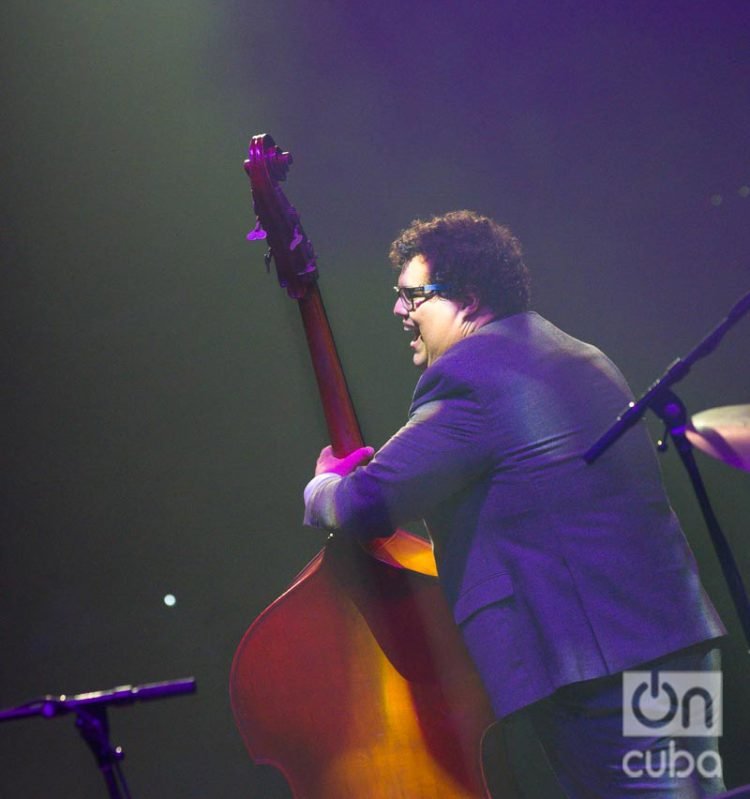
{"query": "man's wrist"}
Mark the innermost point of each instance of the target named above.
(316, 482)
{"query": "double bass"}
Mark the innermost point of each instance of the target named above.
(355, 682)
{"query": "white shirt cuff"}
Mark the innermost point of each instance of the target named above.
(311, 517)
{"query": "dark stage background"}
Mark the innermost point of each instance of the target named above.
(159, 414)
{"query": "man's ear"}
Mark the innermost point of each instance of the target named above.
(471, 305)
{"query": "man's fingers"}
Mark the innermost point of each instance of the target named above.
(356, 458)
(328, 462)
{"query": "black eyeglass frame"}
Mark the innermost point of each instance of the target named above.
(409, 294)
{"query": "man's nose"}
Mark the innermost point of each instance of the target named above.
(400, 309)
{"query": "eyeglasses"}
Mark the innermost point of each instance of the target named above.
(408, 294)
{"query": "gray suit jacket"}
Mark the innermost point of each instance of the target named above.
(556, 571)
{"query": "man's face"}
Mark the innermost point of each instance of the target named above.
(436, 324)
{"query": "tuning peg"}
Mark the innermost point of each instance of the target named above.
(297, 238)
(279, 163)
(257, 232)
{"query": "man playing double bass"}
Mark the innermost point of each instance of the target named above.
(560, 575)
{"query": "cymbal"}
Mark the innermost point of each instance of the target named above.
(723, 433)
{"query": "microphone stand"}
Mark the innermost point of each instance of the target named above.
(91, 719)
(671, 410)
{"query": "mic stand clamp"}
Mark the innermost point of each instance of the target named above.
(94, 728)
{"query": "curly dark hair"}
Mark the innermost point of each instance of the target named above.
(473, 254)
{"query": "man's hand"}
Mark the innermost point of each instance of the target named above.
(328, 462)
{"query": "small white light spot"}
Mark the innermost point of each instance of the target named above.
(744, 191)
(170, 600)
(716, 199)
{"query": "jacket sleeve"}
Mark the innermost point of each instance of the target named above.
(443, 447)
